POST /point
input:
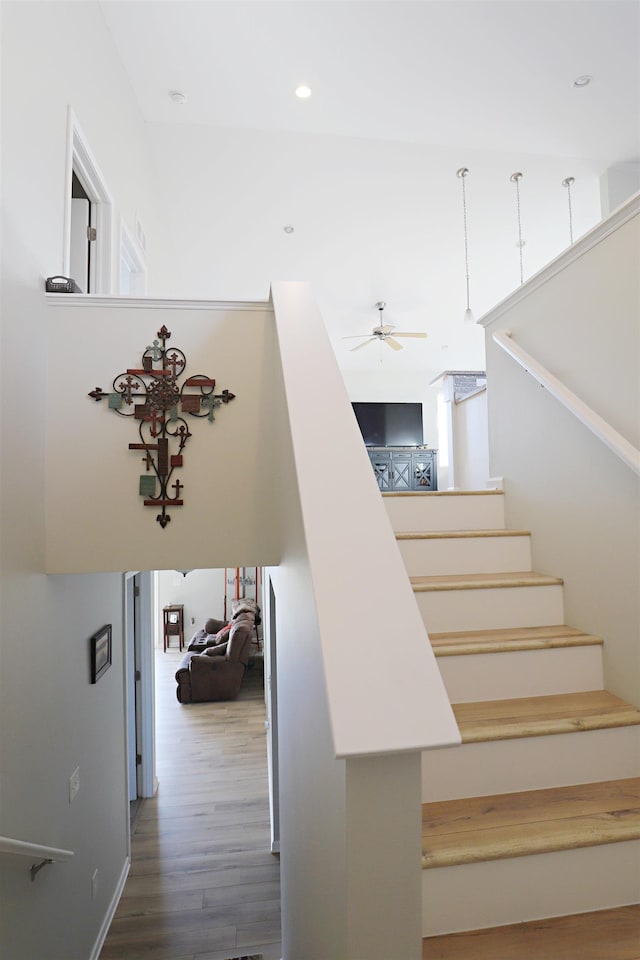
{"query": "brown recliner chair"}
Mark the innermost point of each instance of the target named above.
(217, 674)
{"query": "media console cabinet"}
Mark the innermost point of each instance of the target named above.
(404, 468)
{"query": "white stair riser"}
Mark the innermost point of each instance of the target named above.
(530, 763)
(440, 557)
(446, 513)
(491, 609)
(476, 895)
(525, 673)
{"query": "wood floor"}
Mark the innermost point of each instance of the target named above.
(203, 883)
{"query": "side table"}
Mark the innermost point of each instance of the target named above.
(173, 624)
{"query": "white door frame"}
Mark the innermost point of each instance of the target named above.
(141, 630)
(81, 159)
(133, 256)
(130, 683)
(271, 702)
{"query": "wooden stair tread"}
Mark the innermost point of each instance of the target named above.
(540, 716)
(483, 581)
(463, 642)
(459, 534)
(612, 934)
(534, 821)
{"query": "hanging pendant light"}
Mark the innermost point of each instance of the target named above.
(462, 173)
(567, 183)
(516, 178)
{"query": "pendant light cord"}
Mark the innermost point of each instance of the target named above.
(567, 183)
(516, 177)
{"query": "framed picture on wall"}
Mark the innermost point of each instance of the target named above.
(100, 645)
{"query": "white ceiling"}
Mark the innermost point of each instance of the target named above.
(480, 75)
(489, 74)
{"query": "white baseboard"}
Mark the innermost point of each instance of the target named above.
(113, 906)
(495, 483)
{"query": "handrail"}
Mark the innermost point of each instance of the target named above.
(629, 454)
(21, 848)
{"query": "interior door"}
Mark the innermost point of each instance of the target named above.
(80, 247)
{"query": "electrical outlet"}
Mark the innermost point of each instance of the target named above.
(94, 884)
(74, 784)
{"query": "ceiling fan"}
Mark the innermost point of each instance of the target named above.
(384, 333)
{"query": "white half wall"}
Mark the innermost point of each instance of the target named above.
(95, 517)
(349, 769)
(579, 319)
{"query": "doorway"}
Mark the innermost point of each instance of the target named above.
(87, 216)
(83, 236)
(198, 591)
(139, 602)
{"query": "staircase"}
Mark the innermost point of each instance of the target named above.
(537, 814)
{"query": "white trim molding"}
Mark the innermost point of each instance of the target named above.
(81, 159)
(596, 235)
(153, 303)
(109, 915)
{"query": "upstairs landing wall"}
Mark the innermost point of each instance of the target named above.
(579, 318)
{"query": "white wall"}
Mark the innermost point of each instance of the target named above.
(229, 469)
(373, 220)
(201, 592)
(580, 502)
(471, 442)
(51, 718)
(617, 184)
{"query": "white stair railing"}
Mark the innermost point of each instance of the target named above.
(629, 454)
(44, 855)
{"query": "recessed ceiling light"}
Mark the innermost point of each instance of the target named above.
(583, 81)
(177, 96)
(303, 91)
(288, 229)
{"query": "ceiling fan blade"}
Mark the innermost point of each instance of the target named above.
(357, 336)
(420, 336)
(393, 343)
(385, 329)
(361, 345)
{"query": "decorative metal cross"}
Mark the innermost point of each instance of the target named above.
(160, 414)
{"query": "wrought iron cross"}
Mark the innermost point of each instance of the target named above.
(153, 396)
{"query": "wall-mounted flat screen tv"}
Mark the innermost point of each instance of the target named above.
(390, 424)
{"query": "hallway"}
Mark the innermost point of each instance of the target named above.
(203, 884)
